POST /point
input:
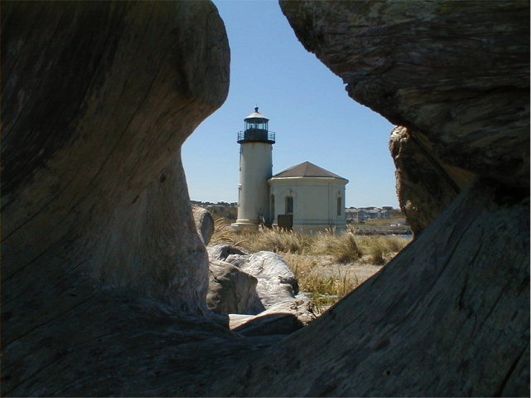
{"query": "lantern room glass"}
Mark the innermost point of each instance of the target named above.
(256, 124)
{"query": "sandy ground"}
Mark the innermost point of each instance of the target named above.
(359, 270)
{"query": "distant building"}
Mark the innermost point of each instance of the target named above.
(362, 214)
(307, 197)
(304, 198)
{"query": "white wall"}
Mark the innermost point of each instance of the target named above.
(256, 166)
(314, 201)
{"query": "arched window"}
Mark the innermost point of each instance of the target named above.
(289, 205)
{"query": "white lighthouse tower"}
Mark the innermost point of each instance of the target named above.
(256, 167)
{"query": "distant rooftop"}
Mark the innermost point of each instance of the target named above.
(307, 169)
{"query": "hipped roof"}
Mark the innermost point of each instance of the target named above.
(307, 169)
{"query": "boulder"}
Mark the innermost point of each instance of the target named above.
(231, 290)
(425, 185)
(204, 223)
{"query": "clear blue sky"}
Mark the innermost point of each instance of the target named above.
(308, 107)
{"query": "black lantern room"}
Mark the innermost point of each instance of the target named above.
(256, 129)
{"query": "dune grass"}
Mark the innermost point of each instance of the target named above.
(324, 289)
(344, 248)
(271, 240)
(304, 254)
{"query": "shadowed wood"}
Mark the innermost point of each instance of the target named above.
(104, 276)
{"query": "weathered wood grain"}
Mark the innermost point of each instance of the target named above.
(97, 98)
(104, 276)
(449, 316)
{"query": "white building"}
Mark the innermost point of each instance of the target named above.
(304, 198)
(307, 197)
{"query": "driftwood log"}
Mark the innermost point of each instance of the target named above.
(104, 276)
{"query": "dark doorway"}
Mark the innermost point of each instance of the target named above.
(285, 221)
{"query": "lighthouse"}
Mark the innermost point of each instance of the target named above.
(256, 167)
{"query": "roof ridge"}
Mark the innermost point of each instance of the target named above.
(307, 169)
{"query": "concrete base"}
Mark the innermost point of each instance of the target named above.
(244, 225)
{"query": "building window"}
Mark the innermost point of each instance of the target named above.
(272, 207)
(339, 205)
(289, 204)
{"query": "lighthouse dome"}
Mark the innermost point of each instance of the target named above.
(255, 115)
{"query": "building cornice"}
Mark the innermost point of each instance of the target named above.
(312, 180)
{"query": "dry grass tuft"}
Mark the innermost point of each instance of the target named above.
(325, 289)
(279, 241)
(381, 249)
(222, 232)
(343, 248)
(270, 240)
